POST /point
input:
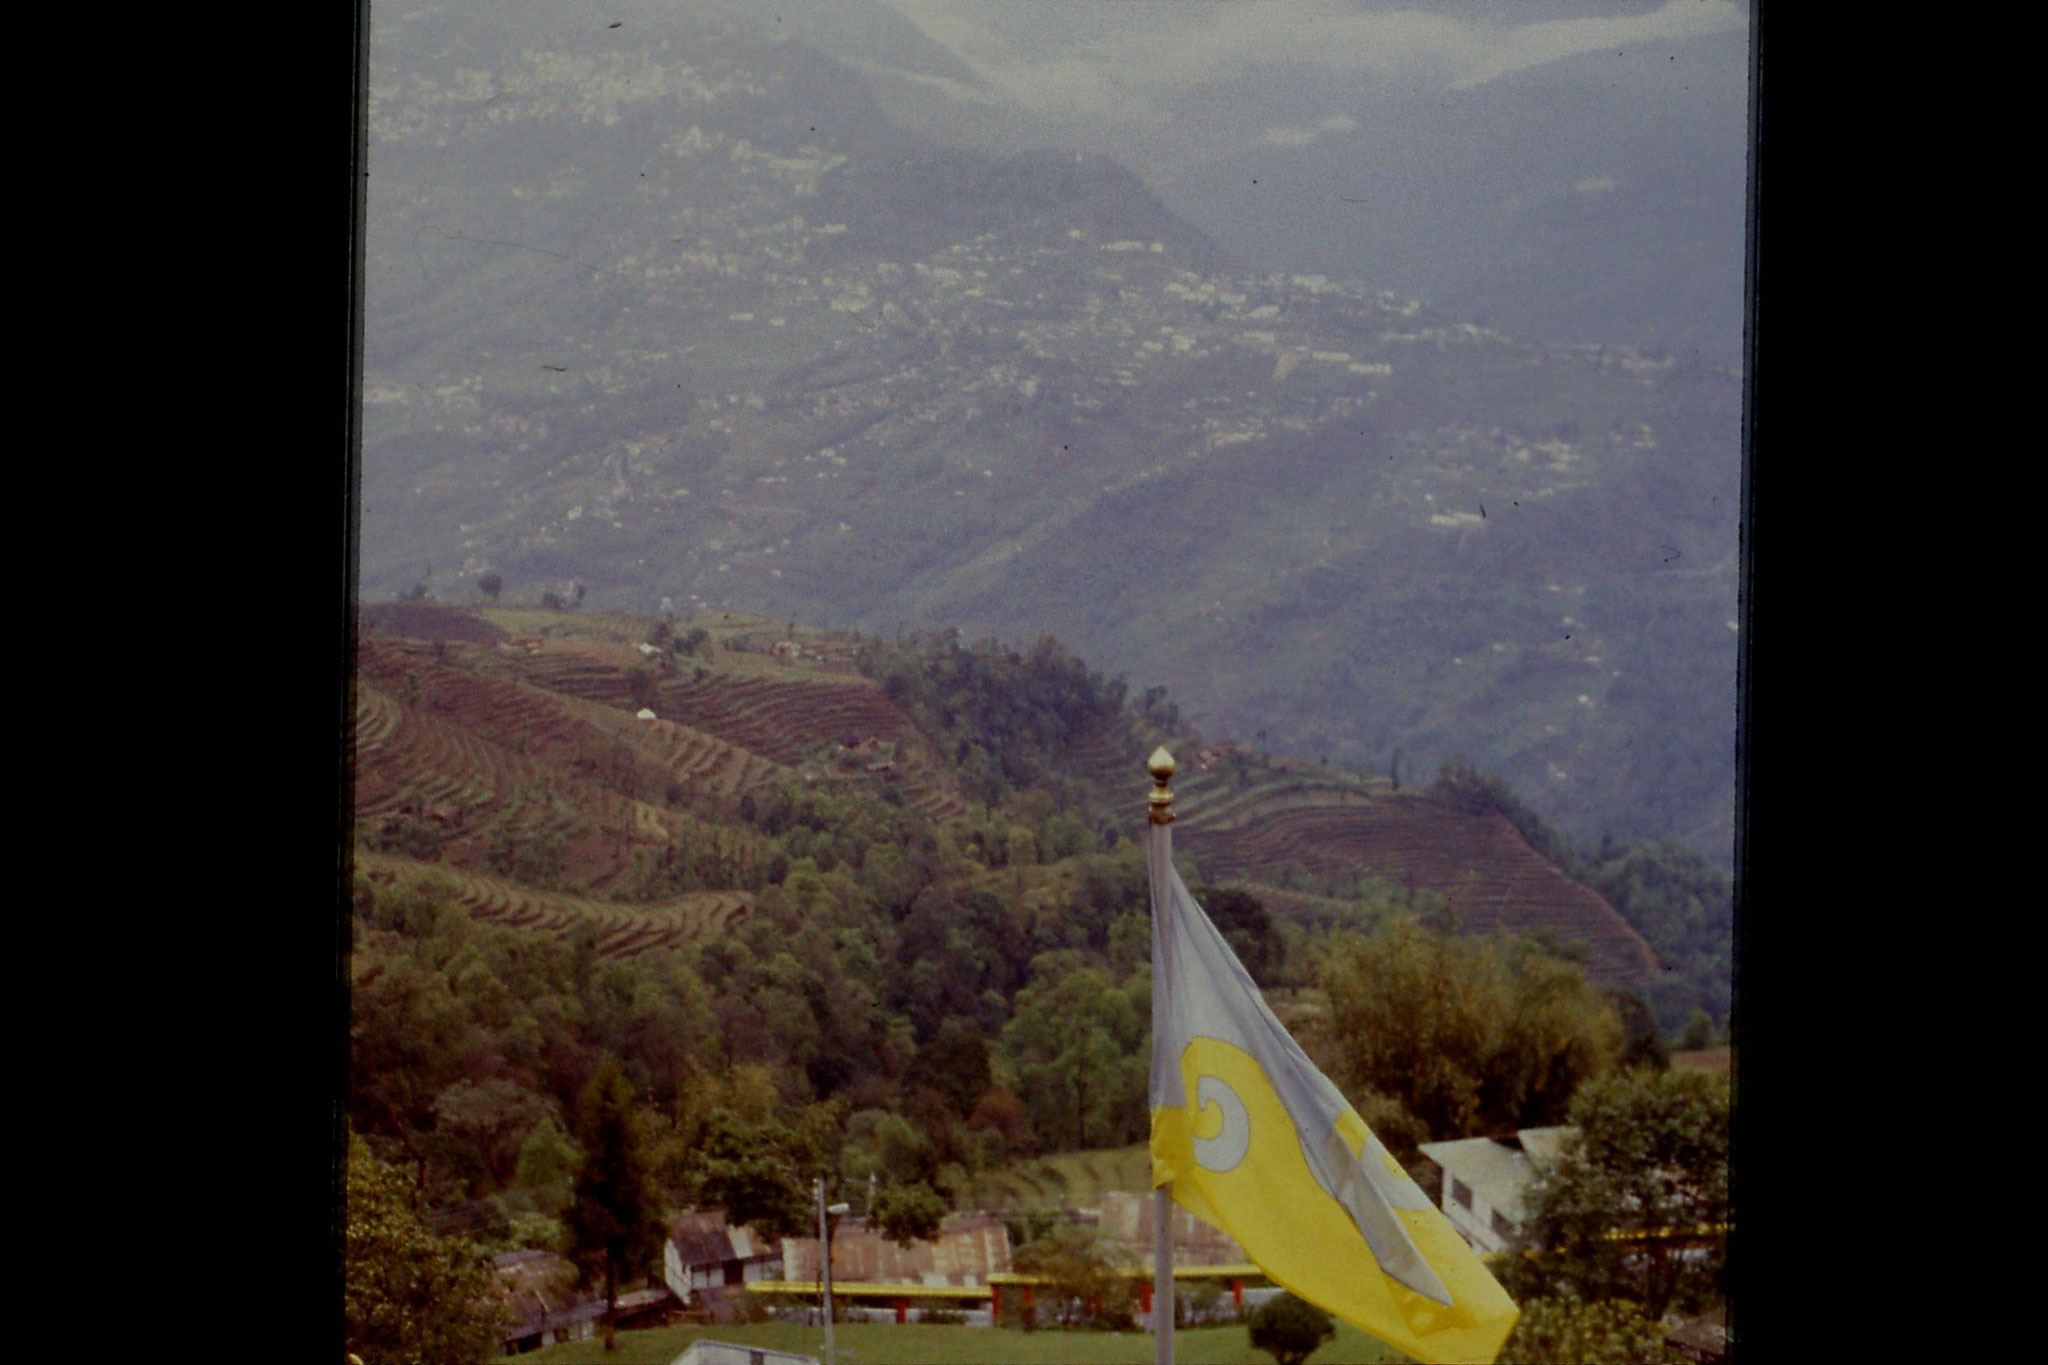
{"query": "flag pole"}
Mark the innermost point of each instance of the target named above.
(1159, 834)
(825, 1269)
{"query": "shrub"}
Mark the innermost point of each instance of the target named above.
(1290, 1330)
(1571, 1331)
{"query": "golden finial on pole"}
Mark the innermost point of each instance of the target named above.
(1160, 765)
(1159, 864)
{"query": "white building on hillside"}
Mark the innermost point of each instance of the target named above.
(1485, 1179)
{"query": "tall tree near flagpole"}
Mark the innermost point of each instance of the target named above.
(1159, 836)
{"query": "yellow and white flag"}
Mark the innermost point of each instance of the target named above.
(1259, 1144)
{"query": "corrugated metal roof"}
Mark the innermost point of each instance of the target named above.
(969, 1248)
(704, 1351)
(1499, 1172)
(539, 1288)
(1127, 1218)
(702, 1238)
(1545, 1145)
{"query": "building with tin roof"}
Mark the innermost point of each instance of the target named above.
(706, 1256)
(1486, 1178)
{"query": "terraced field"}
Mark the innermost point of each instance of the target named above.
(1108, 765)
(492, 738)
(494, 763)
(1469, 853)
(781, 716)
(621, 929)
(688, 755)
(413, 762)
(486, 748)
(1229, 798)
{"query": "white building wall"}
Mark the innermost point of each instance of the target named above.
(673, 1273)
(1474, 1224)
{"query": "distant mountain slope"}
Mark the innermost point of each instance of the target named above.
(674, 313)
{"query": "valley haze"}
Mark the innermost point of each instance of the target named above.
(1369, 376)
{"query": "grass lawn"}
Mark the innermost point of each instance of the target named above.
(860, 1343)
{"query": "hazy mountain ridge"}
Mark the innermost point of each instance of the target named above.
(694, 325)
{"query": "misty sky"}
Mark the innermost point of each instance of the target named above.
(1572, 169)
(1139, 61)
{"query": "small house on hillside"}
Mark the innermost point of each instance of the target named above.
(707, 1257)
(542, 1303)
(1486, 1178)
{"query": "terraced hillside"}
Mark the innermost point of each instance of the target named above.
(488, 775)
(487, 735)
(557, 727)
(518, 762)
(787, 716)
(1253, 826)
(620, 930)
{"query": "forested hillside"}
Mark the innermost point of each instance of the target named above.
(863, 907)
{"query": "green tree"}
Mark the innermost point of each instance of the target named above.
(756, 1158)
(615, 1217)
(490, 585)
(1084, 1288)
(954, 1063)
(1076, 1041)
(907, 1207)
(1289, 1329)
(486, 1123)
(1559, 1029)
(1245, 924)
(1467, 1035)
(548, 1159)
(747, 1173)
(909, 1213)
(1637, 1207)
(409, 1295)
(1642, 1045)
(1685, 907)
